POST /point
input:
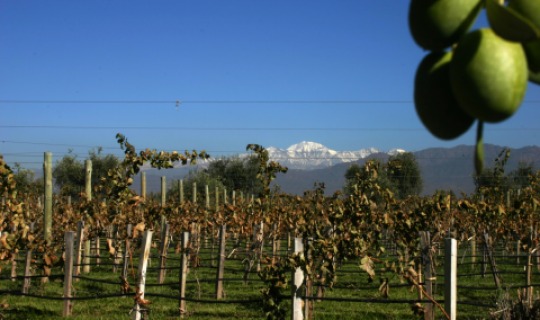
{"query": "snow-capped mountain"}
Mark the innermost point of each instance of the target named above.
(312, 155)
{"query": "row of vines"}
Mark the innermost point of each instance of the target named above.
(354, 227)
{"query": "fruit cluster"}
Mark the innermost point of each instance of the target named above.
(473, 75)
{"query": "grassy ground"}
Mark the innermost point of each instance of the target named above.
(352, 283)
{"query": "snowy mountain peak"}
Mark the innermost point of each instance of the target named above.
(307, 146)
(307, 155)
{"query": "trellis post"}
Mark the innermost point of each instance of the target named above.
(221, 263)
(183, 273)
(139, 307)
(68, 272)
(298, 280)
(450, 277)
(47, 214)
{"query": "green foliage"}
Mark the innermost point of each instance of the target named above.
(237, 174)
(267, 170)
(26, 180)
(404, 173)
(68, 174)
(401, 174)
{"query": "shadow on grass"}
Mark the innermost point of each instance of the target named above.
(28, 312)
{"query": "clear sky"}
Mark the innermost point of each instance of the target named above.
(74, 73)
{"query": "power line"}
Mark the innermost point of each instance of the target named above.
(180, 102)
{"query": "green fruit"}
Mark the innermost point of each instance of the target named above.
(437, 24)
(510, 24)
(530, 10)
(434, 101)
(488, 75)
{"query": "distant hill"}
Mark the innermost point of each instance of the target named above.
(441, 168)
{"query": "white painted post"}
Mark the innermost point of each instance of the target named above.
(78, 248)
(298, 280)
(183, 273)
(68, 272)
(450, 277)
(141, 274)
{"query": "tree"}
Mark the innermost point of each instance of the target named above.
(355, 173)
(236, 173)
(26, 180)
(404, 174)
(493, 178)
(69, 171)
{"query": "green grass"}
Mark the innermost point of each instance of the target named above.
(352, 283)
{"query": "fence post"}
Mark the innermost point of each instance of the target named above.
(88, 179)
(221, 263)
(127, 253)
(163, 191)
(143, 185)
(298, 280)
(181, 191)
(183, 273)
(27, 266)
(47, 214)
(164, 246)
(78, 247)
(68, 273)
(139, 307)
(86, 260)
(450, 277)
(425, 246)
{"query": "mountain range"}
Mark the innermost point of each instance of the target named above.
(312, 163)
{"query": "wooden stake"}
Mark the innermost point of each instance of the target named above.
(141, 275)
(183, 273)
(221, 263)
(68, 273)
(298, 281)
(450, 277)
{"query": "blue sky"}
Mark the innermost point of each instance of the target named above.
(74, 73)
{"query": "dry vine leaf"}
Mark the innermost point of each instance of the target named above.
(139, 228)
(112, 250)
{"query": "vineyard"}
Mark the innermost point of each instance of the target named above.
(115, 254)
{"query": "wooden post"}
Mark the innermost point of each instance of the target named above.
(47, 214)
(68, 273)
(181, 191)
(221, 263)
(233, 196)
(489, 252)
(78, 248)
(86, 260)
(127, 252)
(88, 179)
(27, 267)
(450, 277)
(163, 191)
(298, 280)
(308, 304)
(425, 246)
(217, 198)
(141, 275)
(225, 200)
(143, 185)
(97, 252)
(164, 246)
(206, 197)
(183, 273)
(194, 193)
